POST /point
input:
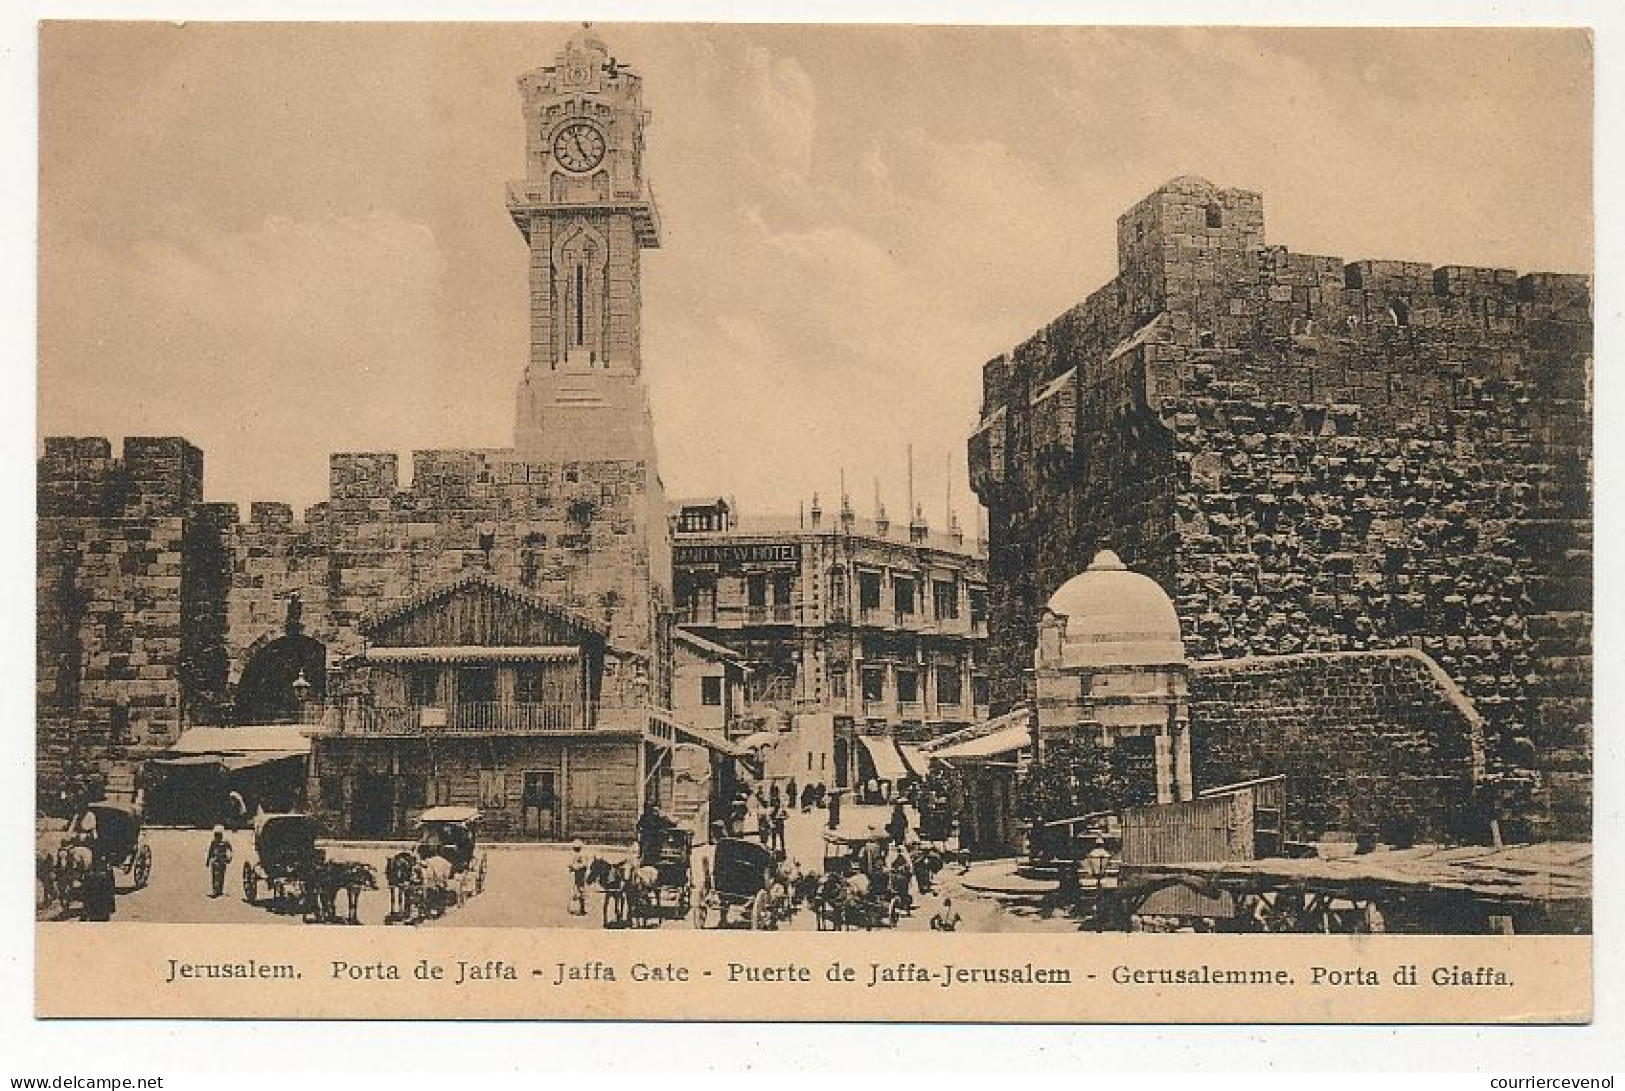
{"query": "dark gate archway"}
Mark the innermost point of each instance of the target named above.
(266, 692)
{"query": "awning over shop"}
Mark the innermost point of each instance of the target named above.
(236, 748)
(238, 762)
(288, 738)
(1006, 740)
(476, 653)
(919, 764)
(888, 762)
(186, 761)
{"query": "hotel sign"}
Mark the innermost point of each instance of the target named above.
(734, 556)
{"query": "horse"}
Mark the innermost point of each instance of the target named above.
(405, 878)
(625, 884)
(76, 873)
(45, 879)
(350, 877)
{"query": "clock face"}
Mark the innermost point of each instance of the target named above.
(578, 147)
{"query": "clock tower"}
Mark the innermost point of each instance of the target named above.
(586, 213)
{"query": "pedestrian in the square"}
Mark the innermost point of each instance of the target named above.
(774, 796)
(790, 796)
(578, 879)
(764, 826)
(781, 818)
(947, 918)
(218, 859)
(897, 827)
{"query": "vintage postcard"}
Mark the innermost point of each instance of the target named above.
(1012, 524)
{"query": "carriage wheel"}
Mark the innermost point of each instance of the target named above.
(251, 884)
(760, 914)
(479, 875)
(894, 910)
(143, 865)
(684, 901)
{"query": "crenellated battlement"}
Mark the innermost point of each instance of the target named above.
(78, 476)
(1314, 454)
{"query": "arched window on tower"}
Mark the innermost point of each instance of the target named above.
(581, 322)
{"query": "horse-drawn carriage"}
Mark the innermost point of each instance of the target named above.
(651, 885)
(857, 890)
(744, 876)
(297, 874)
(285, 859)
(447, 867)
(105, 836)
(666, 852)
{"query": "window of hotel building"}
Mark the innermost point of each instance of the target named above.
(869, 590)
(837, 587)
(874, 683)
(782, 584)
(711, 690)
(756, 590)
(908, 686)
(948, 685)
(423, 687)
(837, 682)
(978, 690)
(437, 792)
(945, 597)
(978, 605)
(476, 685)
(903, 593)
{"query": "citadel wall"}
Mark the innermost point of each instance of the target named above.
(1314, 455)
(128, 626)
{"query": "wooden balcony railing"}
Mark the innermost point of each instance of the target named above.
(471, 718)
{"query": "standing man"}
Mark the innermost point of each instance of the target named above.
(780, 818)
(218, 858)
(578, 879)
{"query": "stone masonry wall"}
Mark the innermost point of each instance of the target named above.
(1369, 741)
(590, 536)
(124, 625)
(1315, 455)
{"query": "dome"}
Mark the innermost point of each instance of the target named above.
(1115, 617)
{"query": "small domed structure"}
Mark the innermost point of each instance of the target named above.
(1114, 617)
(1110, 665)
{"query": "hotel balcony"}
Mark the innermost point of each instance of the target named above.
(735, 617)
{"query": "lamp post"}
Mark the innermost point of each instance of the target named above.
(1094, 866)
(301, 693)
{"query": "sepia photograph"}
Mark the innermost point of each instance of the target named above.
(620, 488)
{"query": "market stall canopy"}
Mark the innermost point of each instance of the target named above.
(237, 748)
(888, 762)
(1009, 739)
(449, 814)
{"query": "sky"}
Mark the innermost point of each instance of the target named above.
(286, 241)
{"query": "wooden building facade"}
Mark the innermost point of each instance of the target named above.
(477, 693)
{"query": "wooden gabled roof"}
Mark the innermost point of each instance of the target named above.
(477, 578)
